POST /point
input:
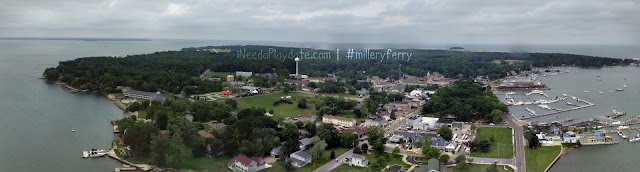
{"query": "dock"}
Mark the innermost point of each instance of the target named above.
(588, 104)
(126, 169)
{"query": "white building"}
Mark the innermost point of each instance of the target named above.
(300, 158)
(340, 121)
(246, 164)
(421, 123)
(358, 160)
(245, 74)
(131, 93)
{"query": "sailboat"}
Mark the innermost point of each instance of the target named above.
(624, 85)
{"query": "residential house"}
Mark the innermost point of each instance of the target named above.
(451, 147)
(555, 140)
(555, 129)
(275, 152)
(402, 105)
(321, 79)
(307, 89)
(300, 158)
(395, 168)
(358, 131)
(358, 160)
(433, 165)
(339, 121)
(437, 141)
(245, 164)
(566, 138)
(296, 82)
(363, 92)
(304, 143)
(230, 78)
(131, 93)
(397, 89)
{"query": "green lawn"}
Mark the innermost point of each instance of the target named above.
(326, 157)
(392, 160)
(117, 94)
(483, 167)
(283, 109)
(275, 168)
(221, 75)
(539, 159)
(142, 114)
(347, 168)
(502, 136)
(189, 162)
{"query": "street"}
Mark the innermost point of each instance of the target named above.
(519, 158)
(333, 163)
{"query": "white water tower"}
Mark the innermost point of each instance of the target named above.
(297, 60)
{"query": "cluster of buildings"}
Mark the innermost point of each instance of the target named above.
(555, 137)
(136, 94)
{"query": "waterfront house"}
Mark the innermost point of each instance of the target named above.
(245, 164)
(555, 129)
(358, 160)
(304, 143)
(131, 93)
(300, 158)
(339, 121)
(555, 140)
(567, 138)
(593, 137)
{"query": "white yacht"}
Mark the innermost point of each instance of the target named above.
(619, 89)
(93, 153)
(601, 92)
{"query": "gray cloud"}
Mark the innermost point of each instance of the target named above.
(402, 21)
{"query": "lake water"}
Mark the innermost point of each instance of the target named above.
(36, 118)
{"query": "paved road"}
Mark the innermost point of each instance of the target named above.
(333, 163)
(519, 159)
(412, 160)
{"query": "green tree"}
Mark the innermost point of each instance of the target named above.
(461, 158)
(348, 140)
(138, 136)
(375, 137)
(302, 103)
(446, 133)
(444, 158)
(492, 168)
(328, 133)
(333, 155)
(181, 126)
(430, 152)
(396, 151)
(159, 146)
(174, 153)
(317, 148)
(463, 167)
(357, 150)
(365, 148)
(358, 113)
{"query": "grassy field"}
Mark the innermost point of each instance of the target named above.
(221, 75)
(142, 114)
(283, 109)
(501, 136)
(347, 168)
(539, 159)
(483, 167)
(189, 162)
(326, 157)
(392, 160)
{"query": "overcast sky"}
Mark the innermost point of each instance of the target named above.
(352, 21)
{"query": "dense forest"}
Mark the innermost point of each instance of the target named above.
(175, 71)
(466, 100)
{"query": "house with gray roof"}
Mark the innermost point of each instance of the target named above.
(300, 158)
(358, 160)
(131, 93)
(304, 143)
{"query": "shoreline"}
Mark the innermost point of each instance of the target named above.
(121, 106)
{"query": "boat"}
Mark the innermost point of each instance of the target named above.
(93, 153)
(623, 127)
(610, 91)
(624, 85)
(73, 130)
(569, 103)
(586, 91)
(635, 139)
(600, 92)
(619, 89)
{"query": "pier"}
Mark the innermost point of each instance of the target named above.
(588, 104)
